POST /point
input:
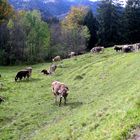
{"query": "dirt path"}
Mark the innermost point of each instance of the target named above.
(135, 134)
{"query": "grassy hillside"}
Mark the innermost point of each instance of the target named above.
(103, 103)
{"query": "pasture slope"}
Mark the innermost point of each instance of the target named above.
(103, 103)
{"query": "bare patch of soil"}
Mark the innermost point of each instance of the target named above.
(135, 134)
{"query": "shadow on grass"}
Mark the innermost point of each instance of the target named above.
(29, 80)
(74, 104)
(4, 89)
(78, 77)
(62, 66)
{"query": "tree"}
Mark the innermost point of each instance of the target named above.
(109, 18)
(75, 18)
(132, 21)
(24, 39)
(76, 39)
(74, 31)
(4, 38)
(91, 23)
(37, 36)
(5, 10)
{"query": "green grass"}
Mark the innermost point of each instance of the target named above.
(103, 103)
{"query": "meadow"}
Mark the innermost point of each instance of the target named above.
(103, 102)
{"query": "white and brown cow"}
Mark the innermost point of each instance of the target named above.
(60, 90)
(97, 49)
(57, 58)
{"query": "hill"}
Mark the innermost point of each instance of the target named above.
(52, 8)
(103, 102)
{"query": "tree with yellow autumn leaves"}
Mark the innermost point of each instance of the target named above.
(5, 10)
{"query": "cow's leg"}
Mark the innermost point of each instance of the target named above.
(65, 99)
(55, 99)
(60, 100)
(28, 76)
(20, 78)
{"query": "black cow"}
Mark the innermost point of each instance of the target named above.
(118, 48)
(22, 74)
(45, 72)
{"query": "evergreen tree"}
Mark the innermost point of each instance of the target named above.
(91, 22)
(109, 18)
(132, 21)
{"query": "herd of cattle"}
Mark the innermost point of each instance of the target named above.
(119, 48)
(127, 48)
(60, 90)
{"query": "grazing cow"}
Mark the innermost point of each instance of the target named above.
(118, 48)
(1, 99)
(127, 48)
(97, 49)
(60, 90)
(57, 58)
(30, 70)
(72, 54)
(22, 74)
(136, 47)
(52, 69)
(45, 72)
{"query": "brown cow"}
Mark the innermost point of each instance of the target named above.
(60, 90)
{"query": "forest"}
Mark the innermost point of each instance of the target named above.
(25, 38)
